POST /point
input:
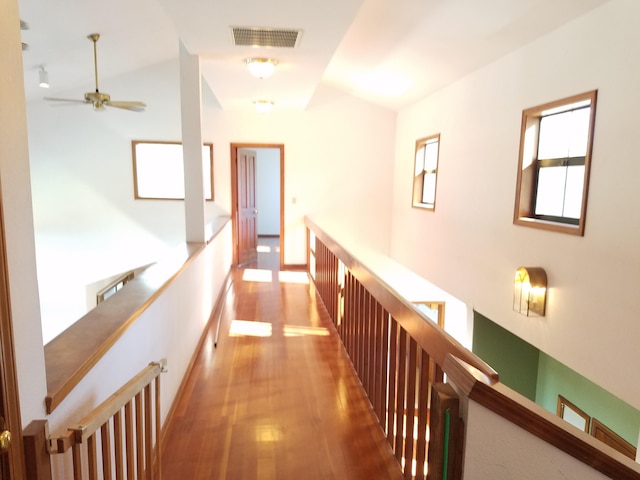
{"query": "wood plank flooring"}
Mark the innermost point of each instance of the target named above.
(278, 398)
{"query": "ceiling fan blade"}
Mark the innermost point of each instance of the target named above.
(66, 100)
(134, 106)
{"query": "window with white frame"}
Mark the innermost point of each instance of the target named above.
(426, 172)
(553, 168)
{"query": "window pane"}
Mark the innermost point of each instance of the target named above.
(431, 156)
(550, 192)
(579, 132)
(553, 140)
(564, 134)
(419, 161)
(573, 193)
(429, 188)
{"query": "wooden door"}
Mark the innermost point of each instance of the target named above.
(11, 451)
(246, 188)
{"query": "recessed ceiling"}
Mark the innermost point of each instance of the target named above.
(389, 53)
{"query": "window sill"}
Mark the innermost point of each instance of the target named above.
(550, 226)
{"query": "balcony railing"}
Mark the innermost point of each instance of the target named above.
(402, 357)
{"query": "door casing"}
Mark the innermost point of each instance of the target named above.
(234, 194)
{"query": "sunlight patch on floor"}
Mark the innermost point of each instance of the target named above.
(293, 277)
(301, 331)
(254, 275)
(246, 328)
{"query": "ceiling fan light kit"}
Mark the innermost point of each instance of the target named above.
(97, 99)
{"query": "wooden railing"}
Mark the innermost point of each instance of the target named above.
(121, 437)
(396, 351)
(400, 357)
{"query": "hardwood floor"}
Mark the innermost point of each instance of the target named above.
(277, 398)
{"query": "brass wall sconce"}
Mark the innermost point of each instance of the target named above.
(530, 291)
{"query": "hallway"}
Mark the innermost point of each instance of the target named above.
(278, 397)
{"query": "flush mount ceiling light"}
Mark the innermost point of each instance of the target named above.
(43, 76)
(261, 67)
(263, 106)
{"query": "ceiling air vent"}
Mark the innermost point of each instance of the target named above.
(265, 37)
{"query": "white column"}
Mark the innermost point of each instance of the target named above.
(191, 103)
(18, 218)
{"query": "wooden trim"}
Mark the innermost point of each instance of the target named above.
(603, 433)
(443, 399)
(432, 339)
(418, 180)
(136, 196)
(36, 451)
(536, 420)
(525, 193)
(72, 354)
(9, 397)
(234, 194)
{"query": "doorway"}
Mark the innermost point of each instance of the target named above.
(250, 185)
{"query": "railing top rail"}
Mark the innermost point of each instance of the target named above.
(107, 409)
(536, 420)
(431, 338)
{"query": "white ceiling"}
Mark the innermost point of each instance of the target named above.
(390, 52)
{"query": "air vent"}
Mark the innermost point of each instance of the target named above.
(265, 37)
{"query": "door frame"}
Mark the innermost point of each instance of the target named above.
(10, 401)
(234, 194)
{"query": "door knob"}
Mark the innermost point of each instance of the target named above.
(256, 211)
(5, 441)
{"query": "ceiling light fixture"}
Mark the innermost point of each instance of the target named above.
(261, 67)
(44, 78)
(263, 106)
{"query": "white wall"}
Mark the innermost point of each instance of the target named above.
(469, 246)
(268, 190)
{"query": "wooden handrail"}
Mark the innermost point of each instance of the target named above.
(535, 419)
(139, 398)
(429, 336)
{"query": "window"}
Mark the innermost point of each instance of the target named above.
(553, 169)
(425, 172)
(158, 170)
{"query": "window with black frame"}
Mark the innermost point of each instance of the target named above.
(553, 170)
(426, 172)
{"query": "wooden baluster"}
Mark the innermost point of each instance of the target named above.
(423, 418)
(158, 458)
(148, 432)
(128, 429)
(76, 452)
(400, 394)
(366, 304)
(138, 432)
(92, 457)
(392, 411)
(376, 340)
(384, 371)
(105, 437)
(412, 373)
(117, 445)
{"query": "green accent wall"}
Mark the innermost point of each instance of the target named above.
(515, 360)
(556, 379)
(537, 376)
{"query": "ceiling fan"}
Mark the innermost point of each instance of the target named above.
(98, 99)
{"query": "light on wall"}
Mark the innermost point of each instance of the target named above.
(43, 76)
(530, 291)
(261, 67)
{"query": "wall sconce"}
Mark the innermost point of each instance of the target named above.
(530, 291)
(261, 67)
(43, 78)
